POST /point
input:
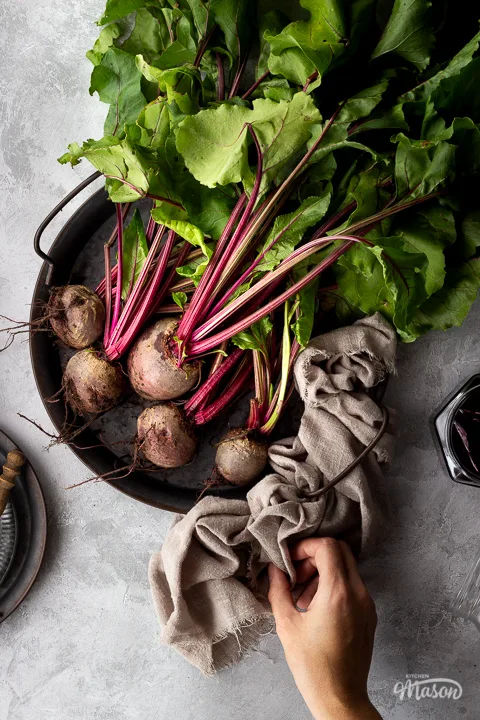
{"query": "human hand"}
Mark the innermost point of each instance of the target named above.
(328, 633)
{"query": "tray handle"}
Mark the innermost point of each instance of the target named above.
(43, 225)
(346, 471)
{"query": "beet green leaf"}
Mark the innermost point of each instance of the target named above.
(135, 251)
(408, 33)
(118, 83)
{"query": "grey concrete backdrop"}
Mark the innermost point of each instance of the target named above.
(84, 645)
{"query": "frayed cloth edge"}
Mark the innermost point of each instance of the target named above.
(267, 622)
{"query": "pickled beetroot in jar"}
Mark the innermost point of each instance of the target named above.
(457, 426)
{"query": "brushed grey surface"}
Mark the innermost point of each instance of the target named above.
(84, 645)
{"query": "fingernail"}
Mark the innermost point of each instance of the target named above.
(301, 609)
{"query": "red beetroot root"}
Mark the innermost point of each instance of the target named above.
(76, 315)
(152, 368)
(165, 437)
(240, 457)
(91, 384)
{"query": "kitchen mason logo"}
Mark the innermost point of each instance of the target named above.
(419, 687)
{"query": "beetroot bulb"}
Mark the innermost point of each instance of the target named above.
(76, 315)
(165, 437)
(152, 367)
(91, 384)
(241, 457)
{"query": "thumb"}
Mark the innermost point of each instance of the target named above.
(279, 593)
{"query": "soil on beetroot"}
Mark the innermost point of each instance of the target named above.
(118, 427)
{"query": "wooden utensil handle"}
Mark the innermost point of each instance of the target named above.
(11, 470)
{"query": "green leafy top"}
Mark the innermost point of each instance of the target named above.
(184, 118)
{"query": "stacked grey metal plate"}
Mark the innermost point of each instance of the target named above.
(8, 539)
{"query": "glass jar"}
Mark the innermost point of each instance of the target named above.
(460, 465)
(467, 601)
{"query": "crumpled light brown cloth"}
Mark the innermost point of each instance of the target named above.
(208, 596)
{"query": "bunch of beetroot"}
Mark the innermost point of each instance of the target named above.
(93, 385)
(343, 169)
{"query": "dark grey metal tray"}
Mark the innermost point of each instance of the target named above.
(77, 256)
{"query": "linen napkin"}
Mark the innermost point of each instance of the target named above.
(207, 581)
